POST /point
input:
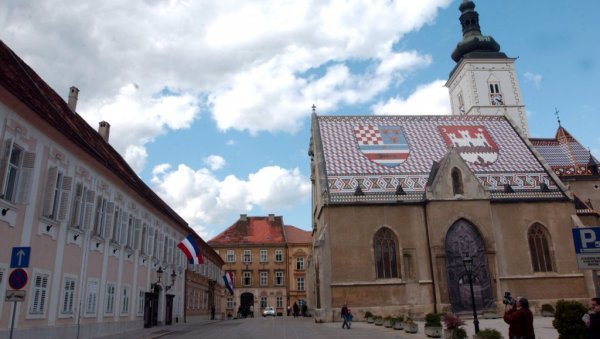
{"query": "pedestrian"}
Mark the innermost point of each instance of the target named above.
(296, 309)
(346, 316)
(304, 308)
(289, 310)
(592, 319)
(212, 312)
(520, 319)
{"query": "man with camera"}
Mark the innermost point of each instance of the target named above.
(519, 318)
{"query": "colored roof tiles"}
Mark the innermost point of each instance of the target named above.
(378, 153)
(252, 230)
(294, 235)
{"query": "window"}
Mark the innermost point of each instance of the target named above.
(263, 255)
(278, 255)
(68, 296)
(279, 301)
(229, 305)
(100, 217)
(541, 259)
(300, 263)
(17, 170)
(230, 256)
(136, 234)
(39, 292)
(109, 303)
(278, 278)
(140, 303)
(82, 207)
(56, 200)
(123, 228)
(130, 231)
(263, 302)
(457, 185)
(144, 244)
(385, 254)
(125, 300)
(91, 298)
(247, 278)
(247, 256)
(495, 94)
(264, 277)
(300, 283)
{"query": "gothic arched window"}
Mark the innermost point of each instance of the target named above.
(539, 248)
(457, 185)
(385, 245)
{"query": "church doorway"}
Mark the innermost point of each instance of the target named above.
(464, 239)
(246, 305)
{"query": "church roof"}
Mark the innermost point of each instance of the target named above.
(250, 231)
(565, 155)
(379, 153)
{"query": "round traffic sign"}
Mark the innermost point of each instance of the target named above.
(17, 279)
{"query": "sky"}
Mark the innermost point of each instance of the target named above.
(210, 101)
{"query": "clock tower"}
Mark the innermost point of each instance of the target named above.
(484, 81)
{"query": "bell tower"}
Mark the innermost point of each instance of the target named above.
(484, 81)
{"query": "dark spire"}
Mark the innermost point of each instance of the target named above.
(474, 44)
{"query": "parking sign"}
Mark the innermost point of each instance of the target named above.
(587, 247)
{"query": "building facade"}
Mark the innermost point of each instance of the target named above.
(299, 244)
(100, 244)
(401, 203)
(255, 251)
(204, 287)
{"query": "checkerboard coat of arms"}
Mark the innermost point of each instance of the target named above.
(473, 143)
(384, 145)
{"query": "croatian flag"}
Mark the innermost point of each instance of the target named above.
(228, 282)
(190, 249)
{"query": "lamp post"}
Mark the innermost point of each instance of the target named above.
(173, 277)
(468, 262)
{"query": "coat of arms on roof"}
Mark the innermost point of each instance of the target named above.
(473, 143)
(384, 145)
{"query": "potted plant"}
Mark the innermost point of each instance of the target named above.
(369, 317)
(453, 328)
(387, 321)
(433, 325)
(410, 326)
(547, 310)
(398, 322)
(488, 333)
(378, 320)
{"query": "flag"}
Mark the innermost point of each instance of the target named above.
(228, 282)
(189, 247)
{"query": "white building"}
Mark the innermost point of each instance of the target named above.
(97, 233)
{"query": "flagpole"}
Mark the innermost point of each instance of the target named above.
(185, 294)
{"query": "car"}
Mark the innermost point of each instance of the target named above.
(268, 311)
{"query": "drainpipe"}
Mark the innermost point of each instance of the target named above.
(430, 259)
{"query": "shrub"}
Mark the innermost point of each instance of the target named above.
(452, 321)
(398, 319)
(459, 333)
(368, 314)
(547, 308)
(567, 319)
(489, 333)
(433, 320)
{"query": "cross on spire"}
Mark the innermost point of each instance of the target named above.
(557, 116)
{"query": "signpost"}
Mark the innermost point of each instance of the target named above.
(587, 250)
(17, 279)
(20, 257)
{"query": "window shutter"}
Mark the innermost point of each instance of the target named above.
(49, 192)
(108, 220)
(65, 193)
(25, 178)
(8, 145)
(124, 220)
(77, 206)
(138, 229)
(89, 209)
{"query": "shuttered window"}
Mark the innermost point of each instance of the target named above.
(57, 194)
(125, 300)
(92, 297)
(68, 296)
(16, 170)
(39, 293)
(109, 302)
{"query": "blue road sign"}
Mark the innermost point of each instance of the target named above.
(20, 257)
(18, 279)
(587, 247)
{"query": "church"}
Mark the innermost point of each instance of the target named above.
(400, 204)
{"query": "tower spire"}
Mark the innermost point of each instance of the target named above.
(557, 116)
(474, 44)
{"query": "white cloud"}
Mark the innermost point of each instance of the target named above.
(214, 162)
(431, 99)
(204, 201)
(535, 79)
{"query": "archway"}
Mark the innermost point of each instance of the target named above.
(246, 304)
(462, 239)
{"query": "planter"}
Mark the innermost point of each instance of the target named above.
(411, 327)
(448, 334)
(370, 320)
(398, 325)
(434, 332)
(547, 314)
(387, 323)
(378, 322)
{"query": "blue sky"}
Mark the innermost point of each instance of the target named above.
(210, 102)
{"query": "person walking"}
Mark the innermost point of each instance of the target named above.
(520, 320)
(592, 319)
(346, 316)
(296, 309)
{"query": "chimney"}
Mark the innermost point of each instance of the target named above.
(271, 217)
(73, 96)
(243, 217)
(104, 130)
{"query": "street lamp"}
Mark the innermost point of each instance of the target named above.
(468, 262)
(173, 277)
(155, 286)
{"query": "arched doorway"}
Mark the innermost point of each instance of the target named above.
(462, 239)
(246, 304)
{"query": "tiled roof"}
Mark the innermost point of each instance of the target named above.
(565, 155)
(23, 83)
(252, 230)
(381, 152)
(294, 235)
